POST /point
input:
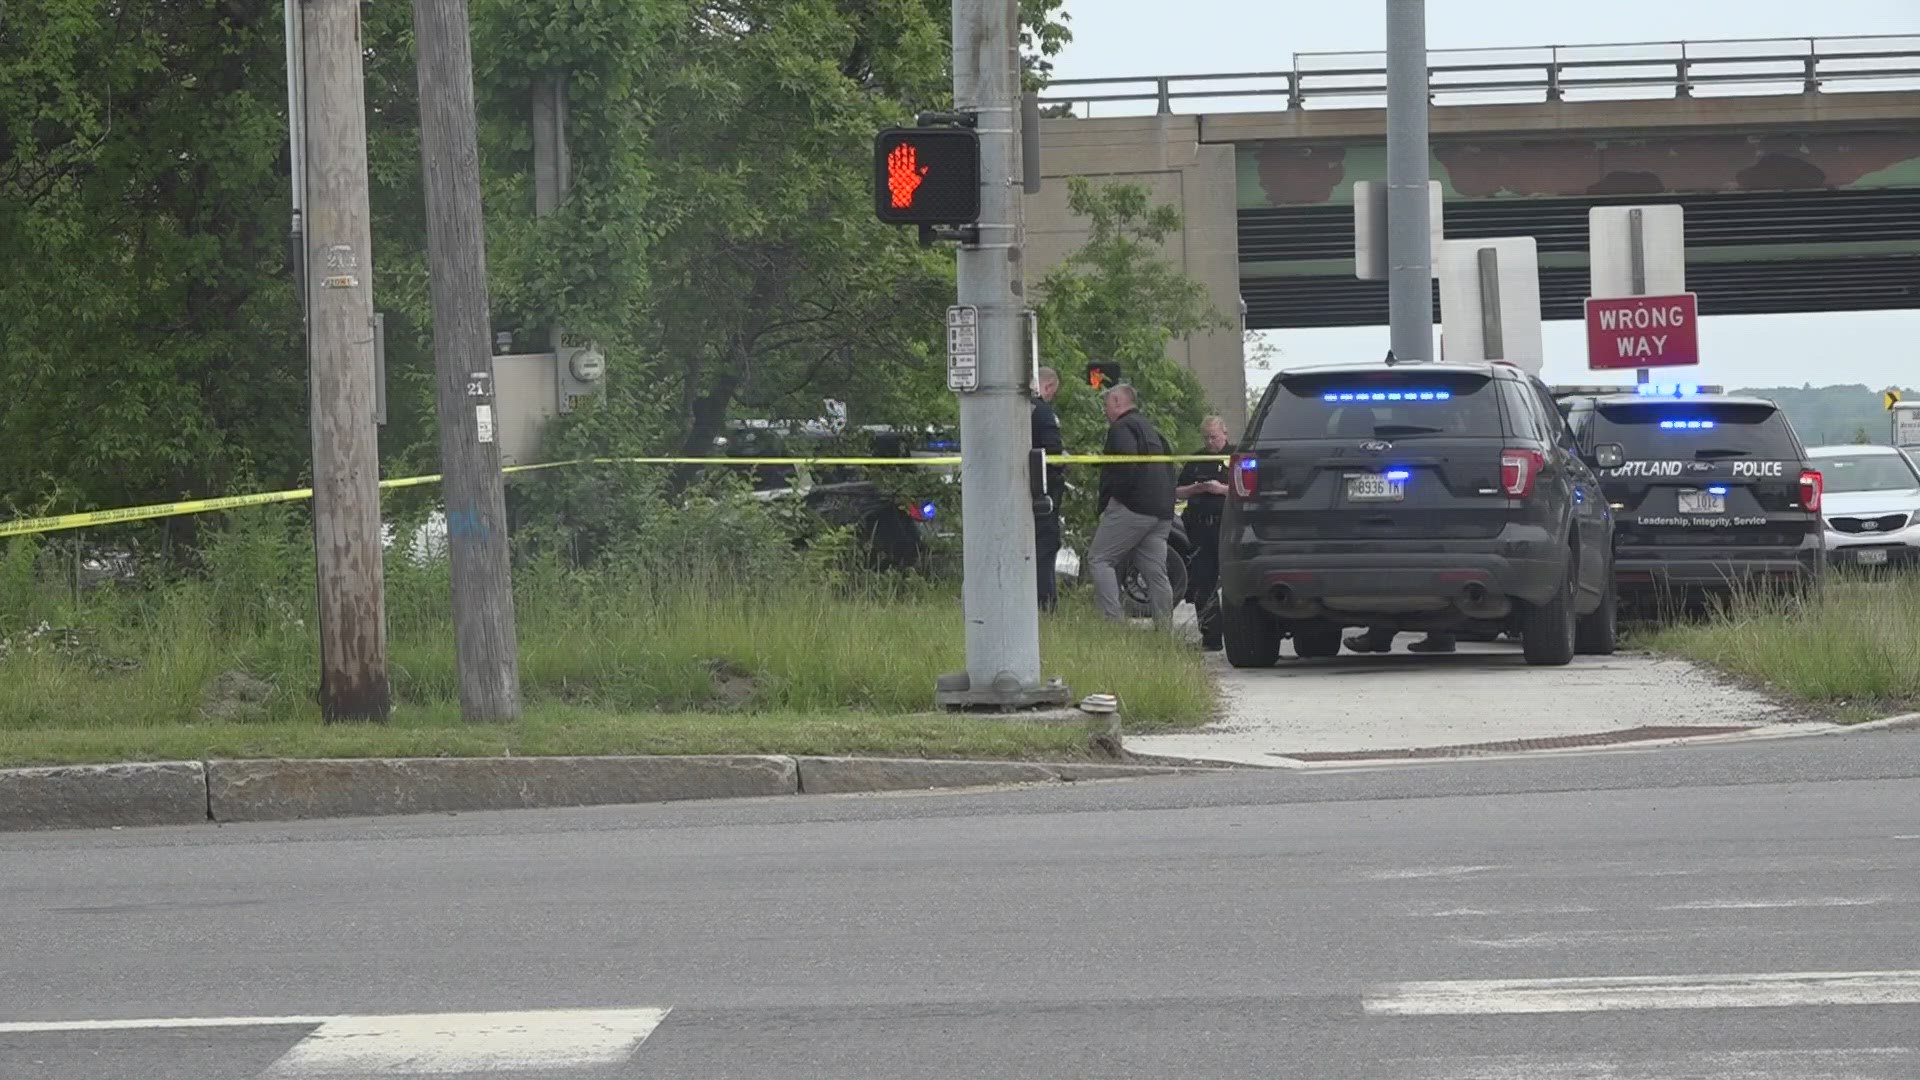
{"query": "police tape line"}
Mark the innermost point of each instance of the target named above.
(156, 511)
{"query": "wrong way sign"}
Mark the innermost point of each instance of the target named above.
(1643, 332)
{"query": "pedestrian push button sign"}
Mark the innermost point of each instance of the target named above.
(927, 176)
(963, 348)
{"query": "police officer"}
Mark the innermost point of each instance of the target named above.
(1203, 485)
(1046, 526)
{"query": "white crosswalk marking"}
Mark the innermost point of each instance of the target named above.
(468, 1043)
(422, 1044)
(1492, 997)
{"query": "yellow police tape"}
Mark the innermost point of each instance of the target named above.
(123, 515)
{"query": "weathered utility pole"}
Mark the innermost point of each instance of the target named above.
(1001, 606)
(338, 258)
(474, 489)
(1409, 241)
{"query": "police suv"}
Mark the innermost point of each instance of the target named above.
(1428, 496)
(1710, 492)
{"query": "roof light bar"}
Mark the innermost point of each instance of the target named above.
(1386, 395)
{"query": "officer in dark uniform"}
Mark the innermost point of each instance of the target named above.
(1047, 526)
(1203, 485)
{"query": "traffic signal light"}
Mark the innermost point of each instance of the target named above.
(1102, 374)
(927, 176)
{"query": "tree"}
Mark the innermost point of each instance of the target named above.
(718, 240)
(1118, 298)
(148, 327)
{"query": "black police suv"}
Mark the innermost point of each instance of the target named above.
(1430, 496)
(1711, 492)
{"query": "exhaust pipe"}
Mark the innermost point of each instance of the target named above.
(1288, 606)
(1477, 603)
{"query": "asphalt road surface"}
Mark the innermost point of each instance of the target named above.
(1735, 912)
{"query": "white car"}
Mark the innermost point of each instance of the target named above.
(1872, 505)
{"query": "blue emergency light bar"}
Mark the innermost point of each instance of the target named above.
(1672, 390)
(1685, 425)
(1717, 489)
(1399, 474)
(1388, 395)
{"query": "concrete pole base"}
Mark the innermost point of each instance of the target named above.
(957, 693)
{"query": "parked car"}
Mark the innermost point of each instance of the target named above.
(894, 530)
(1871, 503)
(1445, 496)
(1712, 493)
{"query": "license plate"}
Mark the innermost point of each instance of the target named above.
(1373, 487)
(1702, 502)
(1871, 557)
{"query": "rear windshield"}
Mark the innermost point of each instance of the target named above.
(1866, 472)
(1689, 429)
(1382, 405)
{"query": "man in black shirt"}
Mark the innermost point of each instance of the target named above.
(1136, 511)
(1203, 484)
(1046, 526)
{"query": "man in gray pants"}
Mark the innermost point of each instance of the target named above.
(1136, 511)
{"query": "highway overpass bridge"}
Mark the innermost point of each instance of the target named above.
(1798, 162)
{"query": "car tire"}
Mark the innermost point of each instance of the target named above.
(1547, 630)
(1599, 633)
(1316, 642)
(1252, 636)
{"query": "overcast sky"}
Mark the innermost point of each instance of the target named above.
(1144, 37)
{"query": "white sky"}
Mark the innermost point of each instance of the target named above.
(1147, 37)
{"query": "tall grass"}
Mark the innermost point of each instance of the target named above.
(1857, 643)
(637, 639)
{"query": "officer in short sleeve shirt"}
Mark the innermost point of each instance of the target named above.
(1203, 485)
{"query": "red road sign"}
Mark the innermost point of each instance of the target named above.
(1643, 332)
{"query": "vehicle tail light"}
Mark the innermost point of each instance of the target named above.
(1518, 470)
(1246, 476)
(1812, 487)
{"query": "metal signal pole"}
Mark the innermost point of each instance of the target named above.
(331, 154)
(1409, 243)
(475, 491)
(1001, 606)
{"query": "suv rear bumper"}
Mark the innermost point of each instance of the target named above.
(1652, 568)
(1521, 564)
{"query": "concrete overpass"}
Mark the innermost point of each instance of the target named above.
(1798, 162)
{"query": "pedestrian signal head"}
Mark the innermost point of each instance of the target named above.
(927, 176)
(1102, 374)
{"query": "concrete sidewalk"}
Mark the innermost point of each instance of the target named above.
(1484, 696)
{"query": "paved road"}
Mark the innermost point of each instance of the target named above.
(1485, 693)
(1740, 911)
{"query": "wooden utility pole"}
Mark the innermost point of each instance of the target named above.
(475, 491)
(346, 451)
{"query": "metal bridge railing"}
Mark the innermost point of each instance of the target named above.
(1546, 73)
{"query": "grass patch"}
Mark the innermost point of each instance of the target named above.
(223, 663)
(1854, 650)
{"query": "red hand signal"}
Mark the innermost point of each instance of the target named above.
(904, 175)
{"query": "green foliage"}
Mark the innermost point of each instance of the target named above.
(1855, 646)
(1832, 415)
(148, 333)
(713, 613)
(1119, 298)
